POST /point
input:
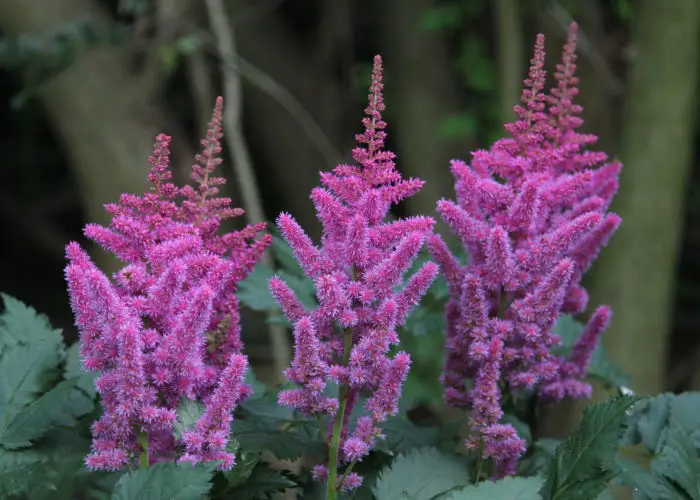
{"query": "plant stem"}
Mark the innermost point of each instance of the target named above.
(331, 488)
(347, 472)
(143, 456)
(479, 465)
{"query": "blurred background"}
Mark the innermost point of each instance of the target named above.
(85, 85)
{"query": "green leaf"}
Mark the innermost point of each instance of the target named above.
(642, 482)
(258, 387)
(165, 481)
(33, 421)
(584, 463)
(82, 398)
(512, 488)
(601, 367)
(402, 435)
(679, 462)
(25, 372)
(21, 324)
(262, 483)
(284, 256)
(243, 469)
(252, 438)
(685, 411)
(20, 471)
(420, 474)
(266, 407)
(188, 413)
(253, 292)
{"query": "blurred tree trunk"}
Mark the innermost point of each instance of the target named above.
(290, 154)
(636, 273)
(101, 112)
(511, 69)
(420, 95)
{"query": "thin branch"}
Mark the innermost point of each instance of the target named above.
(242, 163)
(271, 87)
(510, 48)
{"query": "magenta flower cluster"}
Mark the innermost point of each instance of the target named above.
(532, 215)
(166, 326)
(531, 212)
(357, 271)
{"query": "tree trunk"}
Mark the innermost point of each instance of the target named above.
(291, 151)
(420, 95)
(636, 273)
(98, 107)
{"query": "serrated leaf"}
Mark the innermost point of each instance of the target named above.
(284, 444)
(34, 420)
(512, 488)
(243, 469)
(642, 482)
(21, 324)
(74, 369)
(188, 413)
(266, 407)
(402, 435)
(649, 420)
(165, 481)
(679, 462)
(25, 372)
(20, 471)
(82, 398)
(584, 463)
(685, 411)
(420, 474)
(262, 483)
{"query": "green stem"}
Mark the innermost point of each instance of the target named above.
(331, 488)
(143, 456)
(346, 473)
(479, 466)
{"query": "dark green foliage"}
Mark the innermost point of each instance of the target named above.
(601, 367)
(44, 405)
(263, 482)
(585, 463)
(668, 427)
(421, 474)
(165, 481)
(512, 488)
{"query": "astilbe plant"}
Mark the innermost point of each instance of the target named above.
(532, 215)
(166, 326)
(348, 338)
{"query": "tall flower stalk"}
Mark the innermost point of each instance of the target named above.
(166, 326)
(357, 271)
(532, 215)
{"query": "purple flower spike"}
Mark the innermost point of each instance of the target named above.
(356, 270)
(167, 326)
(531, 212)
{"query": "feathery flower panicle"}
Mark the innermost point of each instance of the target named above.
(356, 270)
(166, 327)
(532, 214)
